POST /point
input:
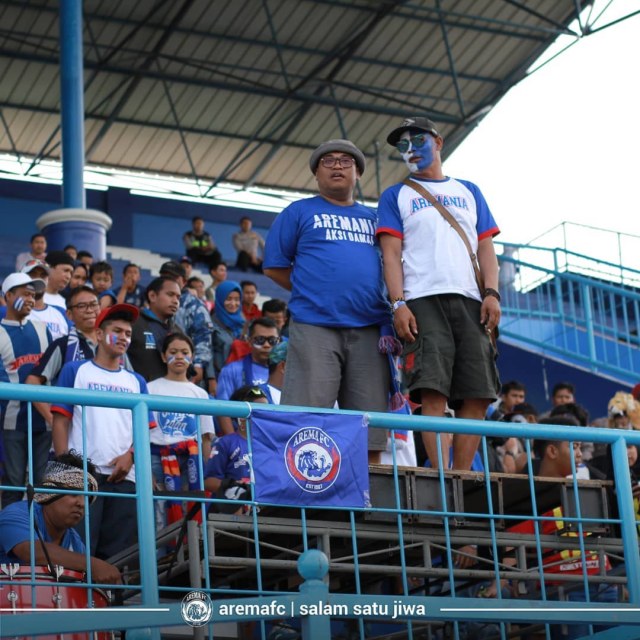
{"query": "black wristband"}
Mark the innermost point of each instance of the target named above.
(490, 292)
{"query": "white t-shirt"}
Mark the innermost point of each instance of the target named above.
(55, 299)
(54, 318)
(276, 394)
(435, 259)
(175, 426)
(109, 432)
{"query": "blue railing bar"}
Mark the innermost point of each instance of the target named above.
(437, 608)
(598, 366)
(375, 419)
(536, 523)
(86, 522)
(145, 507)
(356, 567)
(555, 250)
(628, 517)
(573, 277)
(594, 366)
(588, 316)
(583, 554)
(254, 515)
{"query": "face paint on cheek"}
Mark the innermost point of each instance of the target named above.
(172, 359)
(426, 156)
(113, 340)
(18, 303)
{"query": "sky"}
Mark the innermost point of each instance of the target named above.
(563, 145)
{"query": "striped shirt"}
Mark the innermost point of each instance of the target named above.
(21, 346)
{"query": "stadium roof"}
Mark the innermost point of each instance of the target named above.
(240, 92)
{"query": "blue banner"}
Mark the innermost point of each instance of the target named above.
(310, 459)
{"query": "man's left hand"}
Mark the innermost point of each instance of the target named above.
(490, 313)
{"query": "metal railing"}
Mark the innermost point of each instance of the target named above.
(592, 251)
(586, 321)
(408, 542)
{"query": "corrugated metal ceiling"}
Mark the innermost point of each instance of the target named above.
(242, 91)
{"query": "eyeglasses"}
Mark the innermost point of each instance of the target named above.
(259, 341)
(83, 306)
(328, 162)
(416, 142)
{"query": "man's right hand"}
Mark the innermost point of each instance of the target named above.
(405, 324)
(104, 573)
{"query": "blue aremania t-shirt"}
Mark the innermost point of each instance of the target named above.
(229, 458)
(336, 267)
(15, 526)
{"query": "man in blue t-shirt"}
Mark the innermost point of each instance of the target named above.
(440, 311)
(54, 516)
(253, 369)
(323, 250)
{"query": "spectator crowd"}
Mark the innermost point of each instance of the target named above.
(428, 309)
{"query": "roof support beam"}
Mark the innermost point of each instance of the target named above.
(274, 38)
(452, 62)
(343, 55)
(135, 81)
(273, 92)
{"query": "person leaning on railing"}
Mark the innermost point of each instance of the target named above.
(54, 516)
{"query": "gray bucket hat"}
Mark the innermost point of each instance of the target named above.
(346, 146)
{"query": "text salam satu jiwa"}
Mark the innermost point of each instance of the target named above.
(398, 609)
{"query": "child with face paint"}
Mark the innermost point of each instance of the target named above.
(180, 437)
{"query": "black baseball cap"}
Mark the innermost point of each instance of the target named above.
(417, 123)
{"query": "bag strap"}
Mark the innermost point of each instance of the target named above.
(454, 223)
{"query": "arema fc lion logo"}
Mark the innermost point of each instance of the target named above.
(313, 459)
(196, 608)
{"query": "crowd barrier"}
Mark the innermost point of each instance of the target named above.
(392, 569)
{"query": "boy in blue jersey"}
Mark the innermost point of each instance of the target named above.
(439, 310)
(22, 342)
(323, 250)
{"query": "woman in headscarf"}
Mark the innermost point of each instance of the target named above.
(228, 323)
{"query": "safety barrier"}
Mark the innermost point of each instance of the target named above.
(392, 569)
(593, 324)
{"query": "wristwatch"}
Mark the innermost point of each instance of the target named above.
(490, 292)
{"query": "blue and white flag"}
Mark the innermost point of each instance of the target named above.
(310, 459)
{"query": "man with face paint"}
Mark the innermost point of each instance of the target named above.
(109, 432)
(441, 315)
(22, 342)
(322, 249)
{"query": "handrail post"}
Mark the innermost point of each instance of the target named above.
(145, 510)
(588, 319)
(629, 523)
(313, 566)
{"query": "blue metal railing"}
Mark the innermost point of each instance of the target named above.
(587, 322)
(408, 542)
(592, 251)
